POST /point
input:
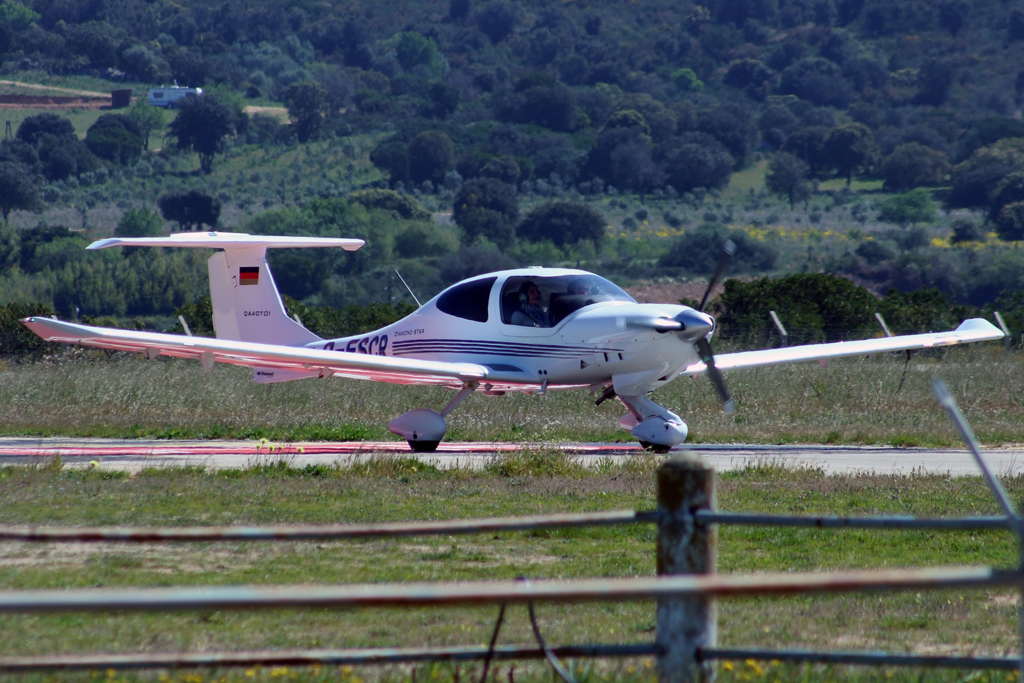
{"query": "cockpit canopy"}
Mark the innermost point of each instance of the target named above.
(533, 301)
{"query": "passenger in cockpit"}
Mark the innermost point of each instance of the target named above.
(530, 313)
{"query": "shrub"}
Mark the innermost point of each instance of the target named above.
(913, 165)
(915, 206)
(402, 205)
(812, 306)
(698, 251)
(563, 223)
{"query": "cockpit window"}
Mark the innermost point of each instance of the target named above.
(546, 301)
(468, 301)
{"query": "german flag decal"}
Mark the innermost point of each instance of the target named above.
(249, 275)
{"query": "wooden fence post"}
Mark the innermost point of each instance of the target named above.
(685, 485)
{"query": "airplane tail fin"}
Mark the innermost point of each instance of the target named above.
(246, 303)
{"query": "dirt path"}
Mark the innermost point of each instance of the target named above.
(36, 86)
(279, 112)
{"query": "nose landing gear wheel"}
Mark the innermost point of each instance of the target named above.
(424, 446)
(655, 447)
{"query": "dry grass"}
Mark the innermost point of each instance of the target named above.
(858, 400)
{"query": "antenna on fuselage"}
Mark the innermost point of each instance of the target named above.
(418, 304)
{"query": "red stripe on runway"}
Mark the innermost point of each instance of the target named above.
(345, 448)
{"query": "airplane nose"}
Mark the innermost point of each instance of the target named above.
(696, 325)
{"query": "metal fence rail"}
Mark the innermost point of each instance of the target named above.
(335, 532)
(367, 656)
(879, 522)
(860, 658)
(499, 592)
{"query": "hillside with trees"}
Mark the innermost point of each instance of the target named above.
(878, 140)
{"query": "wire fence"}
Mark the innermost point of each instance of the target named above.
(685, 588)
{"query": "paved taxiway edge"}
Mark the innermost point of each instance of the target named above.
(135, 455)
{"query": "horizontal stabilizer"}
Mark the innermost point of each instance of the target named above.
(225, 240)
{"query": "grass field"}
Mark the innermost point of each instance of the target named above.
(857, 400)
(393, 489)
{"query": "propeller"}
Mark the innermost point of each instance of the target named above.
(702, 343)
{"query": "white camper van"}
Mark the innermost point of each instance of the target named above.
(168, 96)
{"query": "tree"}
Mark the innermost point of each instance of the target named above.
(816, 80)
(787, 177)
(915, 206)
(190, 209)
(431, 156)
(392, 156)
(96, 40)
(402, 205)
(496, 21)
(550, 106)
(733, 126)
(306, 102)
(444, 100)
(139, 223)
(503, 168)
(339, 90)
(201, 125)
(809, 144)
(18, 189)
(485, 207)
(776, 123)
(850, 148)
(913, 165)
(965, 231)
(414, 49)
(934, 80)
(115, 137)
(35, 127)
(1009, 190)
(694, 160)
(148, 118)
(628, 118)
(1010, 222)
(458, 9)
(563, 223)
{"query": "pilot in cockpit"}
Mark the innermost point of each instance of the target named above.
(579, 287)
(530, 313)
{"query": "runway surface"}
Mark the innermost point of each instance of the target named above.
(134, 455)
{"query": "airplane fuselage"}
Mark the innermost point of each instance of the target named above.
(588, 345)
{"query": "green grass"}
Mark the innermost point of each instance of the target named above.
(857, 400)
(750, 178)
(81, 119)
(397, 489)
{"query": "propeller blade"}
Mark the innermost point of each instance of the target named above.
(706, 355)
(728, 251)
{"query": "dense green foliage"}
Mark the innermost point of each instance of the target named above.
(662, 118)
(817, 307)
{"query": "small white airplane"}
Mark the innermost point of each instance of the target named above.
(529, 329)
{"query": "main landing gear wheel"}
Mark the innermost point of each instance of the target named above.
(661, 449)
(424, 446)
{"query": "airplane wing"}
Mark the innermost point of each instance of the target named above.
(973, 330)
(315, 362)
